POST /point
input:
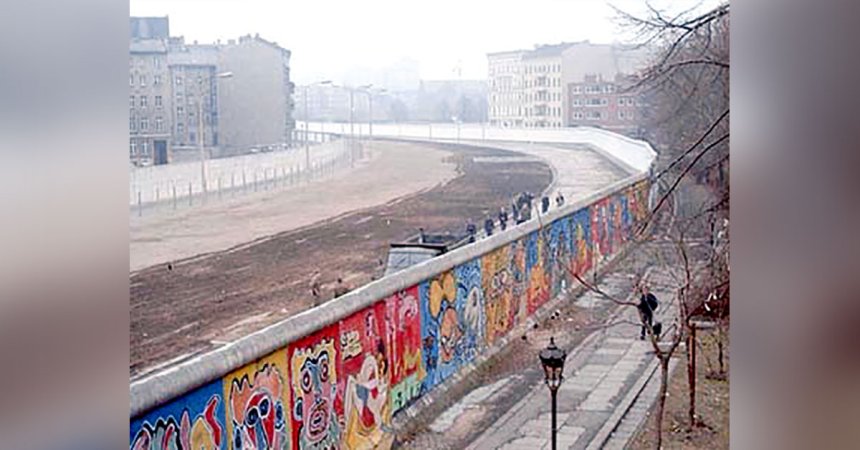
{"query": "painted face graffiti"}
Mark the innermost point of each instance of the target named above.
(165, 434)
(258, 412)
(449, 335)
(314, 385)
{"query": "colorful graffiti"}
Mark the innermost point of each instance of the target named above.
(404, 341)
(364, 378)
(498, 284)
(538, 285)
(340, 386)
(313, 381)
(256, 406)
(171, 427)
(452, 328)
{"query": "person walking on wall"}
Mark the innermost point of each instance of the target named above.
(559, 200)
(503, 218)
(544, 203)
(471, 230)
(647, 305)
(488, 226)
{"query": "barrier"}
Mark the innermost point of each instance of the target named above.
(333, 376)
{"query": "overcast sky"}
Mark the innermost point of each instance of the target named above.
(328, 38)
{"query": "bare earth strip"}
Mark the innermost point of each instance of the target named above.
(394, 170)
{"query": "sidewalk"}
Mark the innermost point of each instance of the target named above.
(603, 376)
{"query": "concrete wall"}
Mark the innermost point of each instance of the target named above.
(333, 376)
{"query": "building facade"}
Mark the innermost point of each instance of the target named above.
(531, 88)
(505, 85)
(256, 101)
(193, 70)
(609, 104)
(149, 102)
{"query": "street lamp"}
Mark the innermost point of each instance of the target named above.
(307, 119)
(200, 129)
(552, 360)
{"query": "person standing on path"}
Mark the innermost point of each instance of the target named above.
(647, 305)
(488, 226)
(559, 200)
(503, 218)
(316, 289)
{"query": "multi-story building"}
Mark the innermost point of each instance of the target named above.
(193, 70)
(325, 102)
(256, 100)
(530, 88)
(610, 104)
(149, 100)
(505, 84)
(543, 86)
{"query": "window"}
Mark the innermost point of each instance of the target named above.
(621, 115)
(131, 80)
(144, 124)
(158, 101)
(180, 110)
(180, 129)
(620, 101)
(192, 137)
(157, 62)
(178, 80)
(143, 80)
(199, 80)
(143, 101)
(130, 102)
(159, 124)
(132, 147)
(156, 80)
(604, 102)
(144, 148)
(132, 123)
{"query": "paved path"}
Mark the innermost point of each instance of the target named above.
(599, 378)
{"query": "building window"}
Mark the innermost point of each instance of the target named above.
(159, 124)
(620, 101)
(192, 137)
(621, 115)
(143, 101)
(130, 102)
(157, 63)
(158, 101)
(180, 129)
(143, 80)
(180, 110)
(604, 102)
(178, 80)
(132, 147)
(131, 80)
(144, 148)
(132, 123)
(144, 124)
(156, 80)
(199, 80)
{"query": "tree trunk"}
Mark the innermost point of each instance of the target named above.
(661, 399)
(691, 375)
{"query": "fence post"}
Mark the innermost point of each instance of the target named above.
(244, 183)
(219, 187)
(139, 205)
(190, 201)
(157, 194)
(255, 181)
(174, 195)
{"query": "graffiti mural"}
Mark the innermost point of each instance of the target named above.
(258, 404)
(364, 378)
(519, 281)
(452, 324)
(600, 229)
(558, 256)
(194, 421)
(404, 342)
(580, 226)
(313, 383)
(498, 285)
(538, 285)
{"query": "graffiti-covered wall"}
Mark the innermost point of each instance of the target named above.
(340, 385)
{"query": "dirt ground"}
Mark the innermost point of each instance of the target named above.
(391, 170)
(207, 301)
(712, 405)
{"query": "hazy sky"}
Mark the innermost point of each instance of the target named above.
(330, 37)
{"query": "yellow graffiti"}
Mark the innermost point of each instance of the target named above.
(201, 436)
(366, 414)
(301, 355)
(350, 344)
(442, 287)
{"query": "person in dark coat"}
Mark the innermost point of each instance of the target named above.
(544, 203)
(488, 226)
(503, 218)
(471, 229)
(647, 305)
(559, 200)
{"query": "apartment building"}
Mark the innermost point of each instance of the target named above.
(193, 70)
(505, 84)
(149, 101)
(609, 104)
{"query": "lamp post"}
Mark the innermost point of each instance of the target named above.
(552, 360)
(200, 129)
(307, 119)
